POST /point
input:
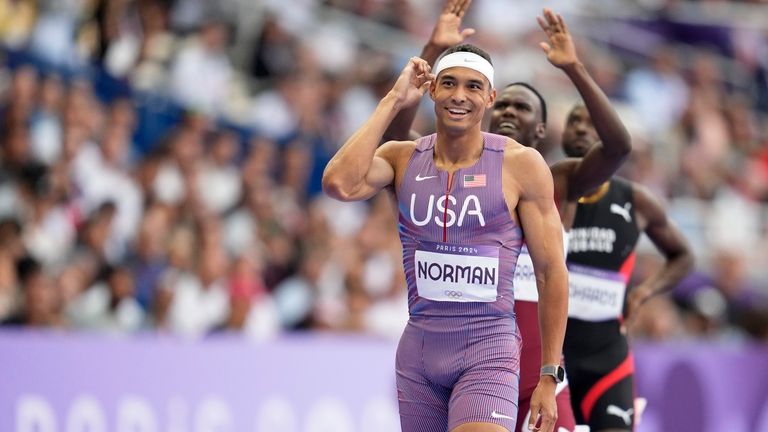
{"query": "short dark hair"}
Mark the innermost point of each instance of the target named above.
(470, 49)
(538, 95)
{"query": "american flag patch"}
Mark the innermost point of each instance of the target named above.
(477, 180)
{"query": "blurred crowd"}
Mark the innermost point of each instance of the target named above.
(160, 160)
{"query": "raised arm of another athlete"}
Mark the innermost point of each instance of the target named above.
(445, 34)
(665, 235)
(540, 221)
(575, 177)
(359, 169)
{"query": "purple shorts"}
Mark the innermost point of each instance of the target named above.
(456, 370)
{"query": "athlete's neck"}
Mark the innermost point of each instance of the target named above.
(458, 151)
(595, 195)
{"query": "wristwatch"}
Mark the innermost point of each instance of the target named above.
(555, 371)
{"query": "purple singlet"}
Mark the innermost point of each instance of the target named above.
(458, 358)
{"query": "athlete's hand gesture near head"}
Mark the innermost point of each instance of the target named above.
(361, 168)
(412, 83)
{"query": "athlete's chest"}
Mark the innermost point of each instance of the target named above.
(605, 228)
(465, 198)
(466, 201)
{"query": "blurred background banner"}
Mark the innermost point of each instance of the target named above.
(704, 388)
(310, 384)
(156, 384)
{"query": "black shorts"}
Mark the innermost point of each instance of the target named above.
(601, 378)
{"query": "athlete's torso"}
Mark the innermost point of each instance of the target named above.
(601, 257)
(460, 243)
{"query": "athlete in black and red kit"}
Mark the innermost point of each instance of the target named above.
(601, 256)
(520, 113)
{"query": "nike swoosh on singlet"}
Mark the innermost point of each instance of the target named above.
(420, 178)
(496, 415)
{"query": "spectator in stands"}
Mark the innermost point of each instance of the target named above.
(204, 55)
(17, 18)
(658, 92)
(40, 303)
(195, 301)
(10, 251)
(46, 121)
(252, 310)
(109, 305)
(219, 181)
(149, 257)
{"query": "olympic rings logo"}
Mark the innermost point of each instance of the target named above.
(453, 294)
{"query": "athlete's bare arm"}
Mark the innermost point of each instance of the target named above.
(445, 34)
(359, 170)
(653, 220)
(539, 219)
(575, 177)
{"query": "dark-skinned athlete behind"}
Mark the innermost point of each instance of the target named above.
(520, 113)
(601, 257)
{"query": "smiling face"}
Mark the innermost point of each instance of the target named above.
(579, 134)
(517, 115)
(461, 97)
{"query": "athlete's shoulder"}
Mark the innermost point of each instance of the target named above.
(526, 168)
(518, 155)
(495, 142)
(396, 152)
(646, 202)
(622, 188)
(625, 183)
(397, 146)
(564, 167)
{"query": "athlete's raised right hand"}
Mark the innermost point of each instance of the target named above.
(412, 83)
(447, 32)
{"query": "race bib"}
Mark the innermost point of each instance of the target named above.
(458, 273)
(525, 278)
(595, 295)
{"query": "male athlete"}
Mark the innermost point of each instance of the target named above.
(601, 256)
(466, 199)
(520, 113)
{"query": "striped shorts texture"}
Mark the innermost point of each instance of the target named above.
(456, 370)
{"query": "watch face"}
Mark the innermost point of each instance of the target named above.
(557, 372)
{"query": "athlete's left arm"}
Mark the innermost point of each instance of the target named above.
(653, 220)
(539, 219)
(604, 158)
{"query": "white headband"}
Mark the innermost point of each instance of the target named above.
(467, 60)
